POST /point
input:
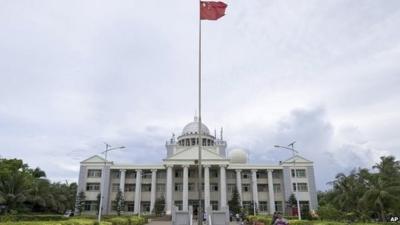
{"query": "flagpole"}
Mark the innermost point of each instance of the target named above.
(199, 186)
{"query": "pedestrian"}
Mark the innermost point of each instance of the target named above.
(274, 216)
(280, 221)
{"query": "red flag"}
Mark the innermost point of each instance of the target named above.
(212, 10)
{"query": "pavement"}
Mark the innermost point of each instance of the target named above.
(169, 223)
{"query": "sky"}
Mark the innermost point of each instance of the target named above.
(76, 74)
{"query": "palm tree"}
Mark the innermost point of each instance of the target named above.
(381, 195)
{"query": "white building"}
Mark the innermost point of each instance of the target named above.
(175, 179)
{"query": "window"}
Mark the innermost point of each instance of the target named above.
(213, 187)
(276, 174)
(278, 206)
(130, 206)
(214, 173)
(178, 173)
(191, 187)
(245, 175)
(178, 204)
(115, 174)
(262, 175)
(145, 206)
(90, 206)
(94, 173)
(161, 174)
(130, 174)
(93, 187)
(277, 188)
(231, 187)
(230, 174)
(192, 173)
(263, 206)
(214, 205)
(146, 187)
(247, 204)
(246, 187)
(160, 187)
(129, 187)
(115, 187)
(299, 173)
(302, 187)
(147, 175)
(262, 187)
(178, 187)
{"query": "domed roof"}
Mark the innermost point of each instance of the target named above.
(193, 128)
(238, 155)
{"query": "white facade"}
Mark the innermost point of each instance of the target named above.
(175, 179)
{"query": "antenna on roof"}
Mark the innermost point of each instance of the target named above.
(222, 130)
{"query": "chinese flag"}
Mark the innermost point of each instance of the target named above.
(212, 10)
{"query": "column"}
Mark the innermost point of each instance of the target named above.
(255, 189)
(239, 185)
(271, 196)
(138, 191)
(122, 181)
(185, 194)
(206, 186)
(222, 183)
(168, 191)
(153, 189)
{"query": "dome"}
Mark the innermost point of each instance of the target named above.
(193, 128)
(238, 155)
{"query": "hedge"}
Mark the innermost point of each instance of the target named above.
(126, 220)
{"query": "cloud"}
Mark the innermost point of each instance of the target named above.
(75, 75)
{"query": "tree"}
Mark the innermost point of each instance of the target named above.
(159, 206)
(120, 202)
(15, 183)
(26, 189)
(381, 195)
(234, 204)
(98, 203)
(80, 202)
(292, 201)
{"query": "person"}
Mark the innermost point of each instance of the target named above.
(280, 221)
(274, 216)
(237, 217)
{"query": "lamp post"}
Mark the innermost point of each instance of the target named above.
(294, 152)
(108, 148)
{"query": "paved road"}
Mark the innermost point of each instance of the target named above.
(169, 223)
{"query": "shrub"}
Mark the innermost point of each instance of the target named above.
(300, 222)
(119, 221)
(328, 212)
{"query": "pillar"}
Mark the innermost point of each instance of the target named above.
(153, 189)
(239, 185)
(254, 187)
(222, 182)
(271, 196)
(185, 194)
(168, 191)
(206, 186)
(138, 191)
(122, 181)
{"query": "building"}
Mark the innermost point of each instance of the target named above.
(175, 179)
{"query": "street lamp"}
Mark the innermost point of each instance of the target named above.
(291, 148)
(108, 148)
